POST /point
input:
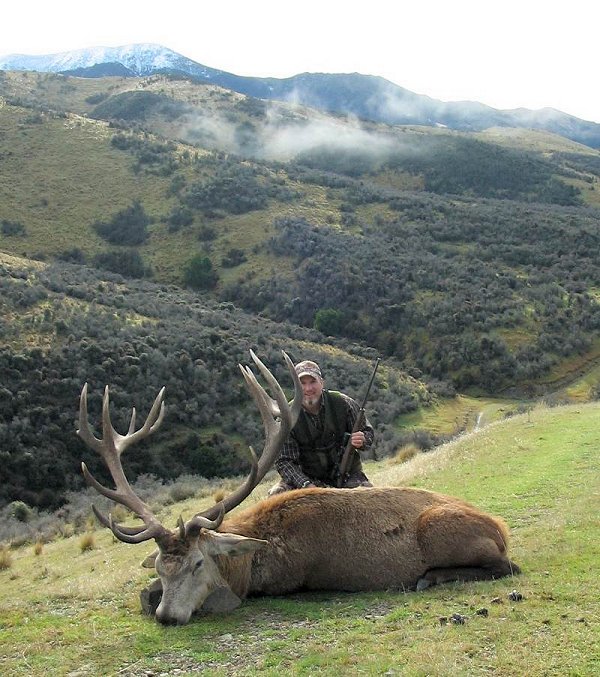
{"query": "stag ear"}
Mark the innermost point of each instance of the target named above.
(220, 543)
(150, 561)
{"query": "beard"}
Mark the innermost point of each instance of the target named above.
(311, 401)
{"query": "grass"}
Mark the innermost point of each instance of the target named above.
(447, 416)
(70, 612)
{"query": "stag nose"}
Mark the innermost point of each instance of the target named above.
(169, 619)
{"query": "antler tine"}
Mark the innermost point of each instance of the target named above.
(198, 522)
(84, 431)
(278, 417)
(125, 533)
(110, 448)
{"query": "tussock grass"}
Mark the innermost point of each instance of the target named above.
(79, 612)
(87, 541)
(6, 559)
(404, 454)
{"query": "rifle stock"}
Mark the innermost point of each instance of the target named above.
(358, 425)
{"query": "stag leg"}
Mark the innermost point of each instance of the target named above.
(498, 569)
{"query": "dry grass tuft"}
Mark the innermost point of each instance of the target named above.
(219, 495)
(87, 541)
(404, 454)
(5, 558)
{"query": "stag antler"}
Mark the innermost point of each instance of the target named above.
(278, 416)
(110, 447)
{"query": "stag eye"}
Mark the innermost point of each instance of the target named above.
(198, 565)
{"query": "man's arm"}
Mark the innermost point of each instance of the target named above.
(288, 465)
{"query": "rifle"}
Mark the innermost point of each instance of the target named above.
(358, 425)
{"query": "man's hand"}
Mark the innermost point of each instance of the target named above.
(358, 439)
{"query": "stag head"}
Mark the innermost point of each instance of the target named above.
(186, 558)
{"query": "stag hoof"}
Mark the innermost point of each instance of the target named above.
(422, 584)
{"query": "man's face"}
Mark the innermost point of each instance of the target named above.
(312, 388)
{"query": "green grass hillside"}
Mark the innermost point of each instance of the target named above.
(68, 611)
(469, 257)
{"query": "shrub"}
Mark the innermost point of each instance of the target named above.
(20, 511)
(127, 227)
(12, 228)
(128, 263)
(179, 218)
(207, 233)
(234, 257)
(199, 273)
(74, 255)
(329, 321)
(181, 492)
(94, 99)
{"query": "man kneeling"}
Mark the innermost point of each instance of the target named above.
(313, 451)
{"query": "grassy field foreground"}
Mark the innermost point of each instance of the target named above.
(68, 612)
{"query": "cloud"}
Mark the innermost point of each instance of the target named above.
(283, 133)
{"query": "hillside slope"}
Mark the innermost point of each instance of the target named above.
(476, 252)
(65, 325)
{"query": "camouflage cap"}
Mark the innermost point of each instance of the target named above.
(308, 368)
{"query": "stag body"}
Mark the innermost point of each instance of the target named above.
(366, 539)
(339, 539)
(318, 539)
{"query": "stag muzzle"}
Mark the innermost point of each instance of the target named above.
(168, 614)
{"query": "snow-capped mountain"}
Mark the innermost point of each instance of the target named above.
(365, 96)
(141, 59)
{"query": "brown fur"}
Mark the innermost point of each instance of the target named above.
(364, 539)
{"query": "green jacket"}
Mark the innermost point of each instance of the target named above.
(321, 450)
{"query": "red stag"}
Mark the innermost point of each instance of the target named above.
(308, 539)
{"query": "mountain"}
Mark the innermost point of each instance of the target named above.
(365, 96)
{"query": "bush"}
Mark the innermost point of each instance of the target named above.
(128, 263)
(179, 218)
(20, 511)
(234, 257)
(12, 228)
(199, 273)
(127, 227)
(329, 321)
(74, 255)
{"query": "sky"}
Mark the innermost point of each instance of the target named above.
(509, 54)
